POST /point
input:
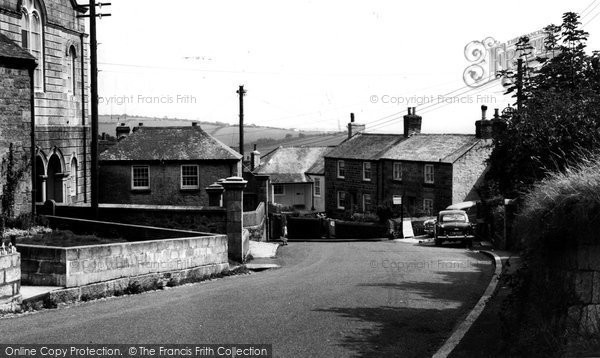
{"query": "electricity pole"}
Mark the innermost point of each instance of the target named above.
(241, 92)
(94, 102)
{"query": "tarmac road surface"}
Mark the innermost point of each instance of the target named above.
(352, 299)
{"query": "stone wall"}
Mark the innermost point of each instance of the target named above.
(578, 269)
(255, 223)
(352, 184)
(15, 128)
(201, 219)
(165, 183)
(469, 172)
(83, 265)
(10, 281)
(414, 188)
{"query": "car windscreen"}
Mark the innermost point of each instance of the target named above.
(454, 218)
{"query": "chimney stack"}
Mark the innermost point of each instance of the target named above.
(354, 128)
(254, 159)
(122, 131)
(483, 127)
(412, 122)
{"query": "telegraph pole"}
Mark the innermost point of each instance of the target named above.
(241, 92)
(94, 102)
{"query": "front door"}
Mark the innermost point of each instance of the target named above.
(299, 195)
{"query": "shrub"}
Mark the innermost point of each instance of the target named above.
(134, 288)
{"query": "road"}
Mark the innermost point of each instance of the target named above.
(355, 299)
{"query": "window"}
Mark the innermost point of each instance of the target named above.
(341, 169)
(31, 38)
(73, 177)
(278, 189)
(71, 78)
(189, 177)
(341, 199)
(367, 171)
(140, 177)
(366, 202)
(429, 174)
(317, 186)
(428, 206)
(398, 171)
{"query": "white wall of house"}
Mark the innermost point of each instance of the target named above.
(296, 194)
(319, 199)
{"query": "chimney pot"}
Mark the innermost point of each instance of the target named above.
(409, 111)
(414, 112)
(483, 110)
(352, 117)
(496, 113)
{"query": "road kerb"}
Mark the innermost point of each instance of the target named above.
(461, 330)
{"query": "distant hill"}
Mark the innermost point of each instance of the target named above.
(266, 138)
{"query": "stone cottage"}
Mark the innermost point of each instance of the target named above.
(165, 166)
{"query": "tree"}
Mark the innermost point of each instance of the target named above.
(559, 115)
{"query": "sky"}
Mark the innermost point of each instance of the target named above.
(308, 64)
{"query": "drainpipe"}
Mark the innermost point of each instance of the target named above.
(83, 119)
(312, 193)
(33, 155)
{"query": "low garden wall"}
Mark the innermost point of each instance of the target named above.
(254, 223)
(10, 281)
(196, 218)
(307, 228)
(150, 250)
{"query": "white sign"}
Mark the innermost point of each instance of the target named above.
(397, 199)
(407, 230)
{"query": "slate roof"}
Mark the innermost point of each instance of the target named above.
(444, 148)
(12, 51)
(329, 140)
(170, 143)
(365, 146)
(289, 165)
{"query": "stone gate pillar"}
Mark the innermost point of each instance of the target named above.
(215, 194)
(234, 203)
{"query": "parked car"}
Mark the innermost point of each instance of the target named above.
(453, 225)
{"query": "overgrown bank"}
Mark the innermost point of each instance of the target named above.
(554, 309)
